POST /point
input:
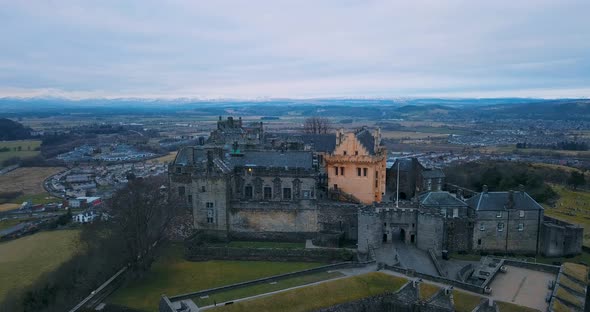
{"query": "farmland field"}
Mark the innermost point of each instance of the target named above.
(172, 275)
(164, 159)
(27, 180)
(22, 149)
(24, 260)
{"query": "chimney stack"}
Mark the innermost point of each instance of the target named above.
(485, 189)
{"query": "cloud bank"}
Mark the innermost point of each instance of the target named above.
(298, 49)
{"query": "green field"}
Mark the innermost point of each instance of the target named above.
(465, 302)
(172, 275)
(42, 198)
(22, 149)
(265, 288)
(24, 260)
(322, 295)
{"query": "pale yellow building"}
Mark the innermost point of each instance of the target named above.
(357, 165)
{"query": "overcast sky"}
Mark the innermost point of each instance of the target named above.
(296, 49)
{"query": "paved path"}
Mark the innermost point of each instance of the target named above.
(407, 256)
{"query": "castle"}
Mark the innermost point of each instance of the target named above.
(248, 184)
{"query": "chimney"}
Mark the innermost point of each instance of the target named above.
(510, 199)
(521, 188)
(485, 189)
(377, 136)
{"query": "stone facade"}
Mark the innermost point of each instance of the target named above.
(507, 222)
(560, 238)
(357, 165)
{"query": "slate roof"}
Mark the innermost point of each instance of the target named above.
(433, 174)
(501, 200)
(440, 199)
(405, 164)
(321, 142)
(367, 140)
(273, 159)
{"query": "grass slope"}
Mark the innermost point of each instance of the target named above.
(265, 288)
(322, 295)
(24, 260)
(172, 275)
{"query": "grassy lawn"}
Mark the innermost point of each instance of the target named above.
(246, 244)
(465, 302)
(572, 206)
(265, 288)
(511, 307)
(322, 295)
(41, 198)
(427, 290)
(27, 149)
(24, 260)
(172, 275)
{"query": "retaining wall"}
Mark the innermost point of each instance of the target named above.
(203, 252)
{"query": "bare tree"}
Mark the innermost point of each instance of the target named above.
(142, 213)
(317, 125)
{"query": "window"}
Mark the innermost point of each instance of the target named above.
(335, 186)
(499, 214)
(455, 212)
(306, 193)
(521, 227)
(341, 170)
(500, 226)
(443, 211)
(267, 192)
(482, 227)
(178, 170)
(479, 241)
(336, 170)
(203, 189)
(356, 152)
(181, 191)
(287, 193)
(521, 213)
(248, 192)
(210, 213)
(344, 153)
(365, 172)
(358, 171)
(190, 199)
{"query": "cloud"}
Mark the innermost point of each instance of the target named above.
(294, 48)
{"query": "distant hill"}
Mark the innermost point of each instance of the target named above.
(12, 130)
(410, 109)
(556, 110)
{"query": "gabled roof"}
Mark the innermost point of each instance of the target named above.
(365, 137)
(273, 159)
(502, 201)
(325, 143)
(440, 198)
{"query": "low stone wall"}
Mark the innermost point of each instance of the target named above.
(331, 240)
(438, 279)
(165, 305)
(203, 253)
(465, 272)
(533, 266)
(211, 291)
(295, 237)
